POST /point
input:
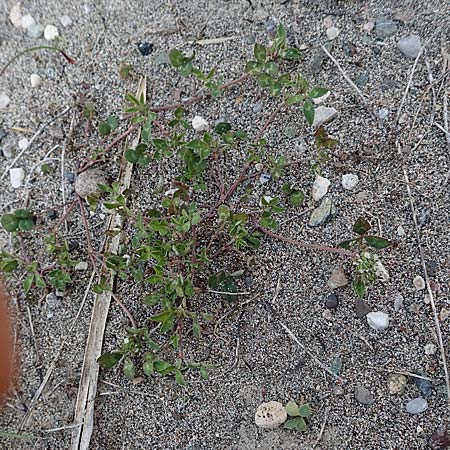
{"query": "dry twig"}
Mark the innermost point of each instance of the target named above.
(427, 279)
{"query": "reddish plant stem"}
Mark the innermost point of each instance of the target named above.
(125, 310)
(180, 336)
(243, 175)
(92, 162)
(65, 215)
(198, 97)
(324, 248)
(268, 122)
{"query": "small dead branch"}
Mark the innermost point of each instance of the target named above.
(349, 81)
(309, 353)
(323, 248)
(52, 366)
(427, 279)
(32, 139)
(322, 428)
(87, 392)
(408, 86)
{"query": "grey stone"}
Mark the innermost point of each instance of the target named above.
(322, 115)
(320, 57)
(332, 301)
(361, 308)
(425, 387)
(332, 33)
(385, 27)
(257, 108)
(419, 283)
(161, 59)
(410, 46)
(364, 396)
(337, 278)
(322, 213)
(87, 182)
(432, 267)
(398, 302)
(8, 150)
(362, 79)
(417, 406)
(383, 113)
(349, 181)
(35, 31)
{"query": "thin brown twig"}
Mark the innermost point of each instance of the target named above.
(322, 428)
(347, 78)
(324, 248)
(427, 279)
(198, 97)
(119, 138)
(65, 214)
(408, 86)
(125, 310)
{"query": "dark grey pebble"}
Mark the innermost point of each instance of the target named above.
(361, 308)
(52, 215)
(425, 387)
(70, 176)
(145, 48)
(332, 301)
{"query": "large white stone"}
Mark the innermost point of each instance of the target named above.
(378, 320)
(349, 181)
(322, 115)
(200, 124)
(320, 187)
(16, 176)
(15, 16)
(270, 415)
(50, 32)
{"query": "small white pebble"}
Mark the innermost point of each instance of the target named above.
(444, 314)
(427, 299)
(50, 32)
(16, 176)
(320, 187)
(349, 181)
(15, 15)
(378, 320)
(319, 100)
(23, 143)
(383, 113)
(200, 124)
(328, 22)
(82, 265)
(419, 283)
(368, 27)
(332, 33)
(65, 21)
(430, 349)
(27, 21)
(35, 80)
(400, 231)
(4, 101)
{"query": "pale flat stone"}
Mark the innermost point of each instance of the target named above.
(16, 177)
(322, 115)
(270, 415)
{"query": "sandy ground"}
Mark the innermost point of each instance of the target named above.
(219, 413)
